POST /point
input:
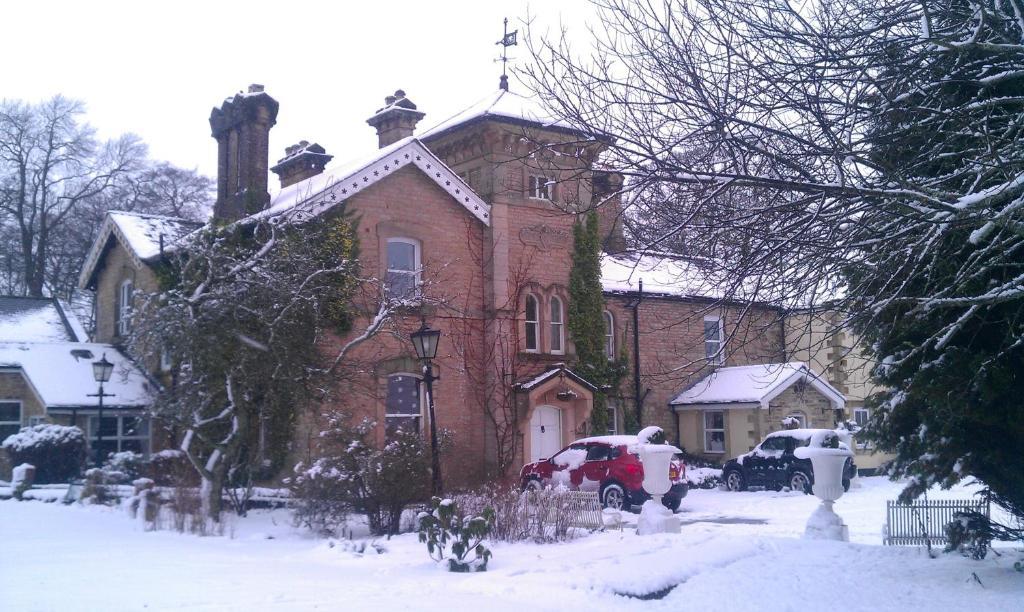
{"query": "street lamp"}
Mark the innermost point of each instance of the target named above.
(424, 341)
(101, 371)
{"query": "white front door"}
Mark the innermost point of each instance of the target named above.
(545, 432)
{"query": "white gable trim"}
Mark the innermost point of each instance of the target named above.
(414, 153)
(96, 250)
(834, 396)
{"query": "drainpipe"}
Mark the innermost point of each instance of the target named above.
(636, 355)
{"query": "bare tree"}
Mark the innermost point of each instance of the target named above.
(50, 163)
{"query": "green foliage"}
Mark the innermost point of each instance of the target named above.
(969, 534)
(451, 536)
(56, 451)
(586, 319)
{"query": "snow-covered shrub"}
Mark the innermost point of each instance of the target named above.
(970, 534)
(378, 482)
(171, 468)
(57, 451)
(124, 467)
(451, 535)
(651, 435)
(322, 496)
(790, 422)
(507, 502)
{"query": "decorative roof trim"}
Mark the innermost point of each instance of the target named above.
(99, 246)
(412, 153)
(536, 381)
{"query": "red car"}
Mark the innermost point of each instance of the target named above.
(608, 465)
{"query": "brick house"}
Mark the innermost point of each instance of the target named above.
(477, 214)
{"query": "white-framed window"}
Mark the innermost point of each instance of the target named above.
(120, 434)
(714, 338)
(609, 335)
(613, 417)
(124, 307)
(10, 418)
(861, 416)
(403, 407)
(714, 431)
(403, 277)
(799, 417)
(532, 323)
(542, 187)
(557, 326)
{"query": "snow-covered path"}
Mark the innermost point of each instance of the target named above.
(736, 552)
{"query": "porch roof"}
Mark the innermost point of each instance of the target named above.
(753, 384)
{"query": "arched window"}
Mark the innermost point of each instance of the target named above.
(557, 333)
(124, 308)
(403, 278)
(609, 335)
(403, 408)
(532, 323)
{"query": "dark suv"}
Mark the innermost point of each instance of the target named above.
(773, 465)
(608, 465)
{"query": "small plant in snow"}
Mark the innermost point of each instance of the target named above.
(452, 536)
(969, 533)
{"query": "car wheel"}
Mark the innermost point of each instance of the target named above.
(799, 481)
(734, 481)
(614, 496)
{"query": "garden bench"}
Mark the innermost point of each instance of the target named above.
(923, 522)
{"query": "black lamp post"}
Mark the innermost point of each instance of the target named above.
(101, 371)
(424, 340)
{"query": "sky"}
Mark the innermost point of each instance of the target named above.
(157, 68)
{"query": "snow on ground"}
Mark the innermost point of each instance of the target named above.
(737, 551)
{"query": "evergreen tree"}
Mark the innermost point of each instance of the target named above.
(586, 317)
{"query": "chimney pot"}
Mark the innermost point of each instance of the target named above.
(255, 88)
(399, 93)
(396, 120)
(301, 161)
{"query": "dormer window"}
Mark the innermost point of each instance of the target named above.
(124, 308)
(403, 277)
(542, 187)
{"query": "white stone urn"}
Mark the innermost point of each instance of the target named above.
(828, 463)
(654, 516)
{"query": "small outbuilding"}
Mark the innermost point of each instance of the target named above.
(730, 410)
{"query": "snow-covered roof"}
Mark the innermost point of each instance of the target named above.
(501, 105)
(754, 384)
(338, 182)
(140, 235)
(552, 372)
(61, 375)
(661, 275)
(24, 319)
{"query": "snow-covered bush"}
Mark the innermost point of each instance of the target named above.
(970, 534)
(322, 496)
(451, 535)
(171, 468)
(57, 451)
(124, 467)
(540, 515)
(378, 482)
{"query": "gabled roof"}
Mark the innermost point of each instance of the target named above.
(60, 373)
(140, 235)
(25, 319)
(754, 384)
(505, 107)
(317, 194)
(552, 372)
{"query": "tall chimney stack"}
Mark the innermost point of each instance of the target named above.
(300, 162)
(242, 129)
(396, 120)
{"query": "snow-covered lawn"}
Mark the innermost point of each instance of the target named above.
(738, 551)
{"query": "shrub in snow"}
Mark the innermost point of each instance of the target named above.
(540, 515)
(124, 467)
(452, 536)
(970, 534)
(352, 473)
(58, 452)
(651, 435)
(171, 468)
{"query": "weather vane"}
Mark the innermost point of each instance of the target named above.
(508, 39)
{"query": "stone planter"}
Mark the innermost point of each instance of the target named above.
(654, 516)
(824, 523)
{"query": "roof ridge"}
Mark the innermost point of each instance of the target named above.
(132, 213)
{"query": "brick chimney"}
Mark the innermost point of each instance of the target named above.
(242, 129)
(300, 162)
(396, 120)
